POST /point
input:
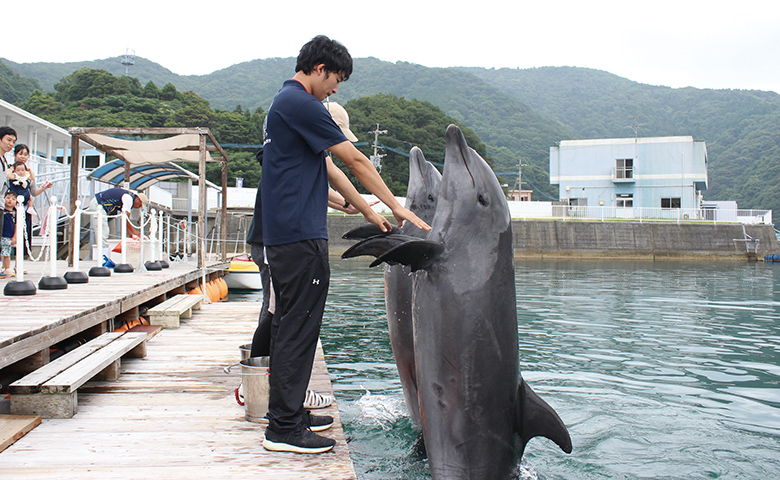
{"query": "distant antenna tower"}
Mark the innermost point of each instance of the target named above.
(128, 59)
(376, 158)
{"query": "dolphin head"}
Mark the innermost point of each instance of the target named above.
(471, 197)
(423, 190)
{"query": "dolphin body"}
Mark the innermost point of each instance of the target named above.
(477, 412)
(421, 196)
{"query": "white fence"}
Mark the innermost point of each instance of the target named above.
(528, 210)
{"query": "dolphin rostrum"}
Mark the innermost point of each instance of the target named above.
(476, 410)
(421, 195)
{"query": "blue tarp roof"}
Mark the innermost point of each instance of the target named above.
(142, 176)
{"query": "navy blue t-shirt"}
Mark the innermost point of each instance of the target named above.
(255, 233)
(111, 199)
(295, 177)
(9, 223)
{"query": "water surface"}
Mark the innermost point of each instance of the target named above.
(659, 369)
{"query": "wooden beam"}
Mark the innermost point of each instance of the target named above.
(72, 235)
(202, 204)
(218, 146)
(223, 227)
(138, 131)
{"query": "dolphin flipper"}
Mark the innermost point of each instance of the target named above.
(535, 417)
(416, 253)
(376, 245)
(367, 231)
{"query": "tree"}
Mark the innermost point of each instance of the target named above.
(169, 92)
(151, 90)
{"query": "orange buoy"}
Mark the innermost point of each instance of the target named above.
(223, 288)
(196, 291)
(214, 295)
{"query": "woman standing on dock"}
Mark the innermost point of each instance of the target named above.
(25, 182)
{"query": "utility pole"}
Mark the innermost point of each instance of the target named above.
(376, 158)
(519, 182)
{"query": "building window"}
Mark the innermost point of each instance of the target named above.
(669, 203)
(578, 202)
(624, 200)
(624, 168)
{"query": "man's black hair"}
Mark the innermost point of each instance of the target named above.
(322, 49)
(5, 130)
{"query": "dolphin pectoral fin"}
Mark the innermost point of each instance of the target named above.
(416, 253)
(376, 245)
(534, 417)
(367, 231)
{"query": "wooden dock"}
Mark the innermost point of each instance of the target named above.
(172, 414)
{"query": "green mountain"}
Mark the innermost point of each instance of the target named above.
(14, 87)
(741, 127)
(518, 113)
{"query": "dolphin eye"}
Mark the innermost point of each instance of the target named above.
(483, 200)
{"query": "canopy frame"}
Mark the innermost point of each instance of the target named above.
(82, 134)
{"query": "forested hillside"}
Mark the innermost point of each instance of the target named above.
(518, 114)
(740, 127)
(15, 88)
(90, 97)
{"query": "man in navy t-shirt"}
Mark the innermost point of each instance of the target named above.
(294, 209)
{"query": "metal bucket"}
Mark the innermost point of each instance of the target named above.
(254, 377)
(246, 351)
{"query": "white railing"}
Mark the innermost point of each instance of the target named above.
(644, 214)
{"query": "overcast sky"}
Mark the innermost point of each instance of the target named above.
(704, 44)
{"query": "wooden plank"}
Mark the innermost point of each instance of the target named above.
(178, 304)
(32, 383)
(71, 379)
(52, 316)
(14, 427)
(173, 415)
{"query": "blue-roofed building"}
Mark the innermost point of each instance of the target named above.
(625, 173)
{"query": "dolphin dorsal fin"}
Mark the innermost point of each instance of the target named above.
(416, 253)
(534, 418)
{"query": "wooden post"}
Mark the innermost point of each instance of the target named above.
(72, 236)
(202, 204)
(223, 228)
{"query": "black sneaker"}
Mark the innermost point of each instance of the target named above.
(317, 423)
(300, 440)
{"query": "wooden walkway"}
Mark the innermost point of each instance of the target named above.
(170, 415)
(32, 323)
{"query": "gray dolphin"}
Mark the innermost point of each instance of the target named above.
(477, 412)
(421, 196)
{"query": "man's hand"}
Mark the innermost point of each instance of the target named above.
(380, 221)
(402, 214)
(351, 210)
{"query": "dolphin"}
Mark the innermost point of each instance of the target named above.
(421, 196)
(476, 410)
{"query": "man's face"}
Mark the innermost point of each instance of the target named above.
(7, 143)
(325, 83)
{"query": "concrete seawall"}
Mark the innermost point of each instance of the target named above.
(580, 239)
